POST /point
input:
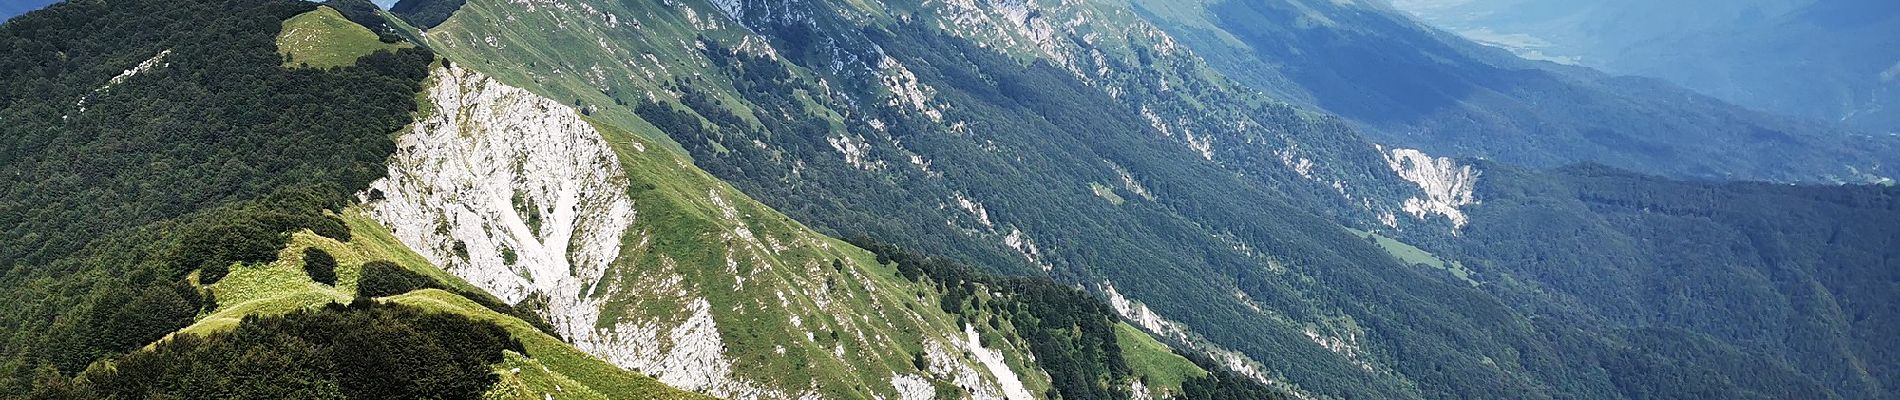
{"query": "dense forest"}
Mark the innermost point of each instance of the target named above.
(363, 350)
(149, 140)
(1788, 288)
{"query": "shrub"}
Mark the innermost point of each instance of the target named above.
(320, 266)
(382, 278)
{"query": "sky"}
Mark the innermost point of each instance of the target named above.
(11, 8)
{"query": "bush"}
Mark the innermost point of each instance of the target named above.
(320, 266)
(382, 278)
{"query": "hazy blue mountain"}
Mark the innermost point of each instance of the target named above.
(1411, 85)
(1829, 60)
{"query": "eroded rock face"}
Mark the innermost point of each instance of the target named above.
(520, 196)
(510, 191)
(1447, 185)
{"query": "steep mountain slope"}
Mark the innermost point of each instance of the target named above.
(793, 154)
(984, 132)
(1828, 60)
(1412, 86)
(638, 258)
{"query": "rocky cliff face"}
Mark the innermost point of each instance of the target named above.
(510, 191)
(640, 259)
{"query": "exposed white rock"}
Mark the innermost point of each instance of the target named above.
(856, 151)
(1139, 391)
(1129, 182)
(1200, 143)
(466, 180)
(1148, 320)
(1156, 122)
(468, 177)
(992, 360)
(1139, 313)
(946, 362)
(1300, 165)
(156, 61)
(1346, 345)
(1021, 242)
(912, 387)
(906, 90)
(975, 209)
(1446, 184)
(734, 9)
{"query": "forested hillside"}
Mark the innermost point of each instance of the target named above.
(1754, 277)
(177, 177)
(146, 141)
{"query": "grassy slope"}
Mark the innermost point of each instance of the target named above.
(683, 232)
(1413, 255)
(1154, 363)
(551, 366)
(624, 70)
(323, 38)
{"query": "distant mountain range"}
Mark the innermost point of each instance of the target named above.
(1832, 60)
(1409, 84)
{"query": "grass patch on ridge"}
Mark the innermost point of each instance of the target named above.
(323, 38)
